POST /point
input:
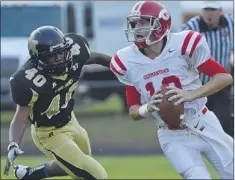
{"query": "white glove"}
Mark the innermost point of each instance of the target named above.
(154, 101)
(13, 152)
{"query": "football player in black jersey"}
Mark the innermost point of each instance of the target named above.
(43, 90)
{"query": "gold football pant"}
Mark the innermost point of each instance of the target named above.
(70, 147)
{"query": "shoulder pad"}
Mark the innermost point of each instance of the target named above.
(185, 41)
(76, 38)
(119, 62)
(80, 47)
(30, 77)
(127, 53)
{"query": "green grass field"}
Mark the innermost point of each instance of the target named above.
(119, 167)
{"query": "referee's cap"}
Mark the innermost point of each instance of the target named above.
(211, 4)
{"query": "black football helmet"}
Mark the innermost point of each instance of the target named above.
(46, 42)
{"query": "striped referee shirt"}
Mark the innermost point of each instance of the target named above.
(220, 40)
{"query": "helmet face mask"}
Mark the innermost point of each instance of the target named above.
(50, 51)
(141, 34)
(52, 65)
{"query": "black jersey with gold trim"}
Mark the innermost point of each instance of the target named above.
(50, 98)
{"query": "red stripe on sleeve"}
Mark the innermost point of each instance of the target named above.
(211, 67)
(199, 36)
(186, 41)
(132, 96)
(119, 62)
(115, 70)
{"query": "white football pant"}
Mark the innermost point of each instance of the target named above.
(184, 149)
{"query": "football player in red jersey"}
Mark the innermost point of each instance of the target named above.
(159, 57)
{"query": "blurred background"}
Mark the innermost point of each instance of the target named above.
(100, 98)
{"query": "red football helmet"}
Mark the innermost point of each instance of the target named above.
(159, 23)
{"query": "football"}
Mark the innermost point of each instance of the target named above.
(170, 114)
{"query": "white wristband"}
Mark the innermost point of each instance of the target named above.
(143, 111)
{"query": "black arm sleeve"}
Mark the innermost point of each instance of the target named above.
(20, 95)
(99, 58)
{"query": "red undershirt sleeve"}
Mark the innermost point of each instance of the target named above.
(132, 96)
(211, 67)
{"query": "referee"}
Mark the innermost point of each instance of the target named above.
(218, 29)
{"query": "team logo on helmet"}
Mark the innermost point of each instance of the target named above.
(164, 14)
(32, 45)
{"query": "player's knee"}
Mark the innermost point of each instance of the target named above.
(100, 174)
(92, 169)
(196, 172)
(87, 147)
(103, 174)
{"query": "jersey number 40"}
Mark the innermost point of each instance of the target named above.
(54, 107)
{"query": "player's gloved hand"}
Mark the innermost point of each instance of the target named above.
(13, 152)
(154, 101)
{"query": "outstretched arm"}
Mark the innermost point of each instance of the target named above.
(16, 131)
(99, 58)
(21, 96)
